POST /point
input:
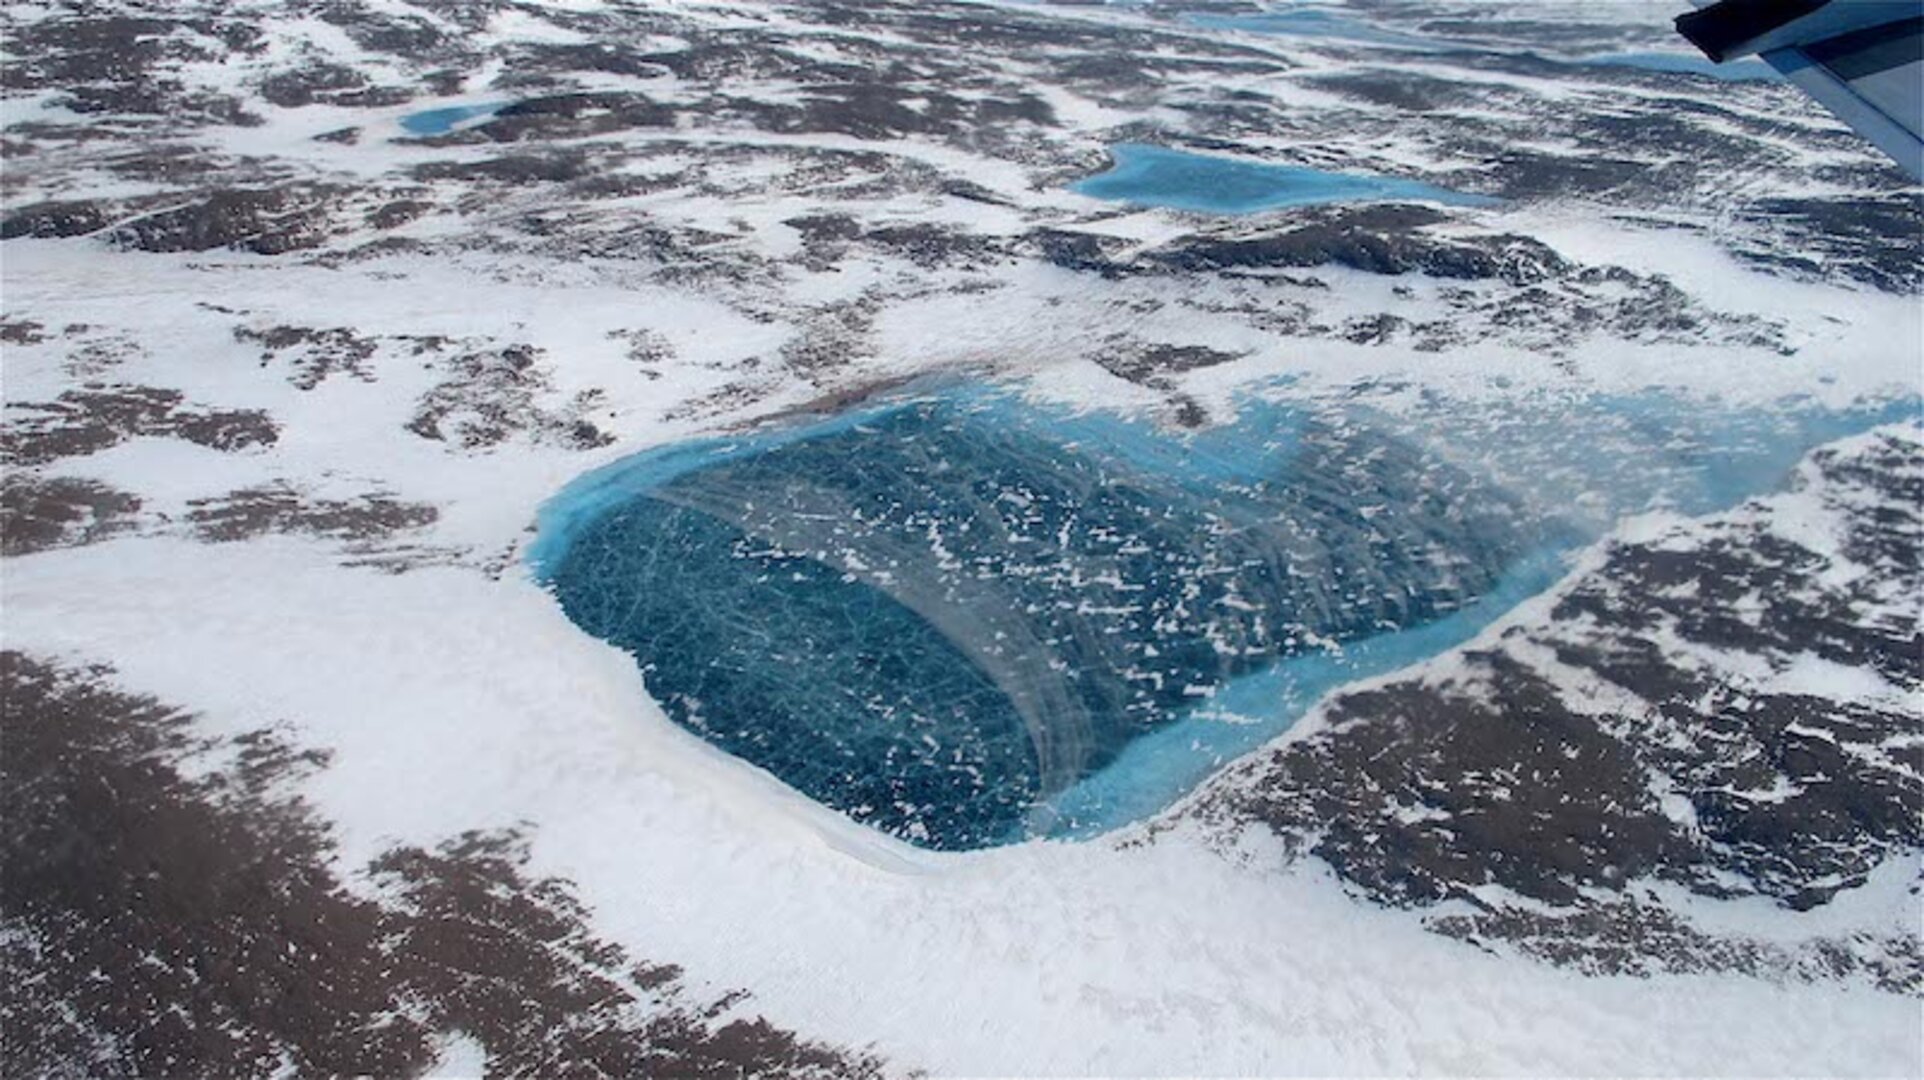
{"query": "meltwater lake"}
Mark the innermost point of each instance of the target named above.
(967, 619)
(444, 119)
(1147, 175)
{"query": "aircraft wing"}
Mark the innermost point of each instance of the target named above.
(1861, 59)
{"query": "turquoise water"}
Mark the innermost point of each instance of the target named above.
(1158, 176)
(967, 620)
(1691, 64)
(1161, 767)
(445, 119)
(1594, 460)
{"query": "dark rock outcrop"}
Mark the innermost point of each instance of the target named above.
(157, 920)
(1677, 717)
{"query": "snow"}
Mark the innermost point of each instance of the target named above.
(453, 702)
(1810, 674)
(462, 1058)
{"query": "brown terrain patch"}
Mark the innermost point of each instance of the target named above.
(39, 513)
(1152, 365)
(88, 361)
(279, 508)
(157, 921)
(490, 396)
(1155, 366)
(313, 353)
(1608, 746)
(265, 221)
(57, 220)
(21, 331)
(832, 335)
(1508, 787)
(838, 401)
(97, 417)
(1626, 936)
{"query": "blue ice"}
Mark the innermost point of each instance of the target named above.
(446, 118)
(1158, 176)
(968, 620)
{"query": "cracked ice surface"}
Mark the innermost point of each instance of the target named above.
(950, 616)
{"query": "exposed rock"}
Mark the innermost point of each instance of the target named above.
(21, 331)
(77, 217)
(282, 509)
(90, 359)
(930, 245)
(107, 62)
(306, 85)
(1422, 793)
(1379, 240)
(1851, 237)
(832, 336)
(1627, 936)
(269, 221)
(572, 116)
(313, 354)
(555, 167)
(85, 421)
(1151, 365)
(491, 396)
(234, 949)
(39, 513)
(647, 350)
(1663, 723)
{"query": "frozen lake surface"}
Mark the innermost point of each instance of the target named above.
(969, 620)
(1158, 176)
(442, 120)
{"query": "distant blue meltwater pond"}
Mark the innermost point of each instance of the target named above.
(445, 119)
(1207, 183)
(968, 620)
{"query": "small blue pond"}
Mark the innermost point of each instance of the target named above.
(967, 620)
(1690, 64)
(1180, 180)
(448, 117)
